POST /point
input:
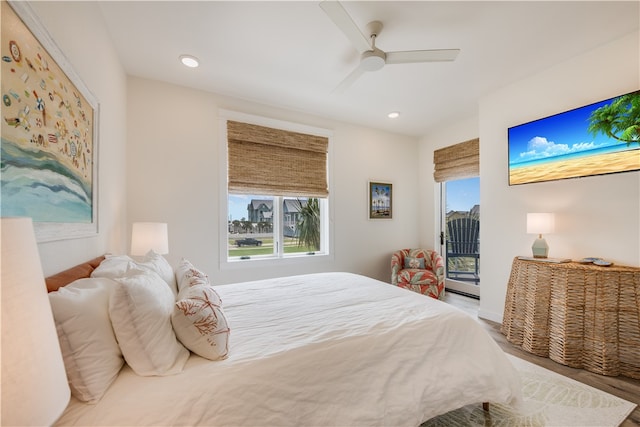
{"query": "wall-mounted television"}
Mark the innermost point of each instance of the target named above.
(596, 139)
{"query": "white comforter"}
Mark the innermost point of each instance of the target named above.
(329, 349)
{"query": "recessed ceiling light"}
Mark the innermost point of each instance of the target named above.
(189, 61)
(393, 115)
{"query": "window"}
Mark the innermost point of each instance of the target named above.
(277, 192)
(262, 226)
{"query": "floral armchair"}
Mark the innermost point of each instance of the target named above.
(419, 270)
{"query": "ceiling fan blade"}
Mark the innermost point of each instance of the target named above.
(434, 55)
(343, 21)
(348, 81)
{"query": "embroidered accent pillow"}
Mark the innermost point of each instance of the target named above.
(140, 308)
(412, 262)
(187, 275)
(200, 323)
(92, 357)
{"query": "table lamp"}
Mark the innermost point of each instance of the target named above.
(146, 236)
(540, 223)
(35, 391)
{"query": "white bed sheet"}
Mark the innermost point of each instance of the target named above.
(328, 349)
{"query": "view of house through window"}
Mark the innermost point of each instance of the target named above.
(461, 234)
(274, 226)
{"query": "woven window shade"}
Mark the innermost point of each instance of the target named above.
(276, 162)
(457, 161)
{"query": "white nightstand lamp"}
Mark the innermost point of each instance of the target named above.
(146, 236)
(540, 223)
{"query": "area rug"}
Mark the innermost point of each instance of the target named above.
(550, 399)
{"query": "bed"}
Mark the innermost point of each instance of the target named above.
(321, 349)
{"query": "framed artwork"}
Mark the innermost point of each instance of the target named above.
(49, 132)
(380, 200)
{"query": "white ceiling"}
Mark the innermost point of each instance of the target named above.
(289, 54)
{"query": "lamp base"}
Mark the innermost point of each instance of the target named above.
(540, 248)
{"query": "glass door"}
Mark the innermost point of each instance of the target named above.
(460, 234)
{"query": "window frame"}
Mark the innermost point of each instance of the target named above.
(278, 258)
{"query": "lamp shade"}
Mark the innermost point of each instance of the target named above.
(540, 223)
(146, 236)
(34, 383)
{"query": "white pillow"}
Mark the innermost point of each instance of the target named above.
(156, 262)
(113, 266)
(90, 351)
(140, 308)
(200, 323)
(187, 275)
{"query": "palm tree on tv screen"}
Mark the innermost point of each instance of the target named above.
(619, 120)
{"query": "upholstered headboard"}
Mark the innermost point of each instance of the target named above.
(74, 273)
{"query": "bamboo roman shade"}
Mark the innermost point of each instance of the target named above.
(276, 162)
(457, 161)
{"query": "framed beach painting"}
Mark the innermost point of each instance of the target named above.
(380, 200)
(49, 133)
(596, 139)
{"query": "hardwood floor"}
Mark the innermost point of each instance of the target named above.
(626, 388)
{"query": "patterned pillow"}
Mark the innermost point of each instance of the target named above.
(200, 323)
(187, 275)
(412, 262)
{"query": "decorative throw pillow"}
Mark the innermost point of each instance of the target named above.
(187, 275)
(91, 354)
(412, 262)
(140, 308)
(200, 323)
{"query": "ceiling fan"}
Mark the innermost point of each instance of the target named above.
(372, 58)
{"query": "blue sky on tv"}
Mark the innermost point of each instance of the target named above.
(563, 134)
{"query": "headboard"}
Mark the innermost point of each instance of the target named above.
(74, 273)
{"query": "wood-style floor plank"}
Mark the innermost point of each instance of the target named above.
(623, 387)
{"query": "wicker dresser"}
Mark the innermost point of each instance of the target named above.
(579, 315)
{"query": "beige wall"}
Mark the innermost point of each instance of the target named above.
(158, 161)
(173, 176)
(595, 216)
(159, 149)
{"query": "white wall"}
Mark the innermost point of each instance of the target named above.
(173, 176)
(595, 216)
(78, 30)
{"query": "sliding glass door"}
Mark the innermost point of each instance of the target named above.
(460, 234)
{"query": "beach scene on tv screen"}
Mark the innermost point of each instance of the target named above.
(596, 139)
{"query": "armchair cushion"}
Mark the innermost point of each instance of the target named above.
(412, 262)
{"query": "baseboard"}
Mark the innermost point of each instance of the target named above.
(489, 315)
(464, 294)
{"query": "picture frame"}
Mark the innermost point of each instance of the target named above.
(49, 132)
(380, 200)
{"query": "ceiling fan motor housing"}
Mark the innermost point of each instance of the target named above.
(372, 60)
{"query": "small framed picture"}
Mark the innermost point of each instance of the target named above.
(380, 200)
